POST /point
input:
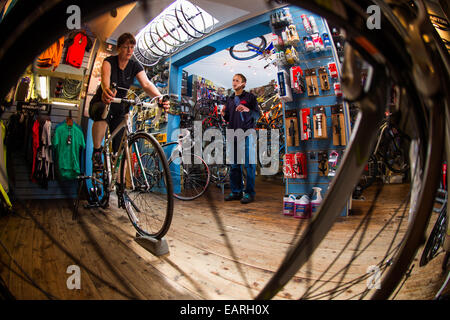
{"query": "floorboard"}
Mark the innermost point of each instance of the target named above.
(218, 250)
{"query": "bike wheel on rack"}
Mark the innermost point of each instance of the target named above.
(148, 195)
(393, 151)
(248, 49)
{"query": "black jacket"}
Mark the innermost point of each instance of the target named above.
(241, 120)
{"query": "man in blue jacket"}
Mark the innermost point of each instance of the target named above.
(239, 111)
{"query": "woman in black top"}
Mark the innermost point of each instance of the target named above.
(121, 70)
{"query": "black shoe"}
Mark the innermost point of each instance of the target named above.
(233, 196)
(97, 163)
(247, 198)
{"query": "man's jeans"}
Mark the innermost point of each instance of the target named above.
(236, 174)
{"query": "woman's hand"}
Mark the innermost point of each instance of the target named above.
(164, 104)
(108, 95)
(222, 112)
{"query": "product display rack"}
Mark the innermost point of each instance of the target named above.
(316, 150)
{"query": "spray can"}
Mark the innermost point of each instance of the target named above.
(314, 28)
(306, 23)
(316, 199)
(288, 205)
(302, 207)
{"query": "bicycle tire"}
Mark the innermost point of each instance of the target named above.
(219, 171)
(436, 238)
(198, 176)
(202, 33)
(25, 21)
(393, 153)
(169, 31)
(182, 24)
(260, 47)
(152, 190)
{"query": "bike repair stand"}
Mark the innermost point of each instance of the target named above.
(157, 247)
(91, 204)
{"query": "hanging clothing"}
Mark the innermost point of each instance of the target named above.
(78, 43)
(68, 142)
(51, 56)
(35, 145)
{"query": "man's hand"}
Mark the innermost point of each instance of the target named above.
(108, 95)
(222, 112)
(242, 108)
(165, 104)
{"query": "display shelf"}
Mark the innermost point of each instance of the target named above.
(316, 93)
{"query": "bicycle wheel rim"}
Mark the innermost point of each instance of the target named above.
(242, 52)
(179, 16)
(198, 13)
(193, 178)
(169, 31)
(149, 203)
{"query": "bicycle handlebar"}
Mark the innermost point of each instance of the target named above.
(141, 103)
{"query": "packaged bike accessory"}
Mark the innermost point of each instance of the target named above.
(326, 41)
(281, 59)
(306, 23)
(287, 15)
(317, 41)
(302, 207)
(283, 86)
(309, 45)
(338, 122)
(316, 199)
(288, 166)
(320, 123)
(288, 205)
(337, 89)
(292, 139)
(277, 41)
(284, 36)
(332, 163)
(323, 76)
(300, 168)
(311, 82)
(305, 128)
(314, 28)
(297, 83)
(333, 70)
(323, 163)
(291, 55)
(294, 38)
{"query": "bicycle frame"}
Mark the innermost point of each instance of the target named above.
(123, 149)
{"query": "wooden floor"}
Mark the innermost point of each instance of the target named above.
(218, 250)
